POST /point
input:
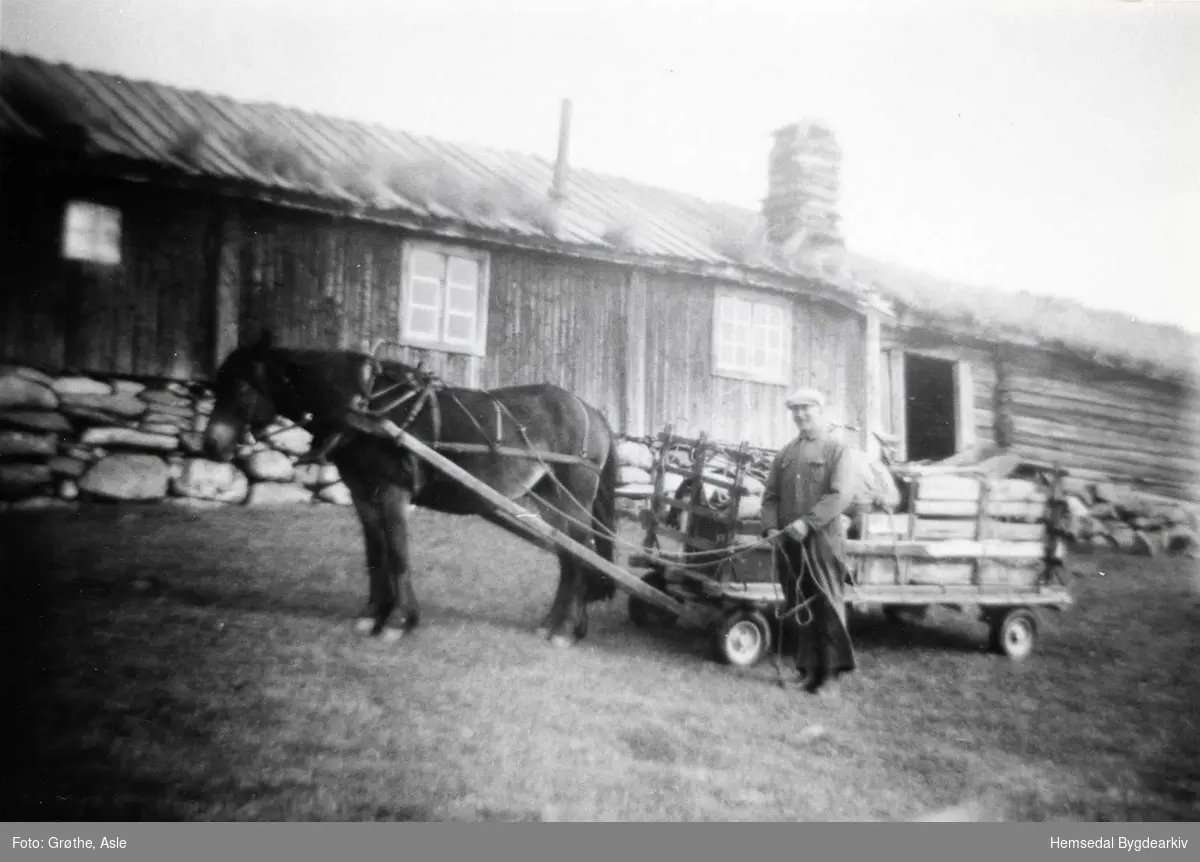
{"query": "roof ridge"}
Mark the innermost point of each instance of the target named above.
(379, 125)
(267, 104)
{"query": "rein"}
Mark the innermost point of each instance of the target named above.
(360, 415)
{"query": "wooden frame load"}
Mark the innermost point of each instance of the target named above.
(986, 532)
(966, 541)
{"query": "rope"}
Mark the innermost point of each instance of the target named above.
(781, 616)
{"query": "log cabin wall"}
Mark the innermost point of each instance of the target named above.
(148, 314)
(1102, 424)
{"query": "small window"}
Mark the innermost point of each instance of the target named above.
(92, 232)
(752, 339)
(444, 304)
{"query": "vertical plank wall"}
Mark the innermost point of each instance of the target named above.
(150, 315)
(681, 389)
(559, 320)
(330, 286)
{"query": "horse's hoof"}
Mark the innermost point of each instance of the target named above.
(364, 626)
(561, 642)
(390, 635)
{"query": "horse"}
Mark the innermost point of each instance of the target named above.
(320, 390)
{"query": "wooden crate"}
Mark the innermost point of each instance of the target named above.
(881, 524)
(964, 530)
(876, 571)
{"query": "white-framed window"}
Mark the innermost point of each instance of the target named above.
(92, 232)
(444, 298)
(752, 337)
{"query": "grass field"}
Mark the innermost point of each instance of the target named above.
(175, 665)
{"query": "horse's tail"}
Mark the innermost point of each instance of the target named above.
(604, 522)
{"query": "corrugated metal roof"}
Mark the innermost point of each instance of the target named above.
(380, 170)
(383, 171)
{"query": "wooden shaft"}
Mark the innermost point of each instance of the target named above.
(631, 583)
(512, 452)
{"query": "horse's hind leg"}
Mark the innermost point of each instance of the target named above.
(575, 620)
(552, 625)
(567, 621)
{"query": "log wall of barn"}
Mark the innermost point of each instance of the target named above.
(150, 315)
(1102, 424)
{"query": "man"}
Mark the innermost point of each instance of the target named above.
(810, 485)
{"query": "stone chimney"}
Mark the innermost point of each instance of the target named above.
(802, 189)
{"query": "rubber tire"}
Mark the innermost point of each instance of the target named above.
(646, 615)
(745, 623)
(1014, 633)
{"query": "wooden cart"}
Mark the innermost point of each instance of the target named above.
(968, 541)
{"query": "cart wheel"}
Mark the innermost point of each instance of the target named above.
(742, 639)
(646, 615)
(1014, 633)
(900, 614)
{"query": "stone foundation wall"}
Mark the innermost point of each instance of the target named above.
(70, 439)
(65, 440)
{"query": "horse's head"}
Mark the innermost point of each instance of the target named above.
(243, 399)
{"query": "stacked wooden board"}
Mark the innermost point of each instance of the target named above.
(962, 529)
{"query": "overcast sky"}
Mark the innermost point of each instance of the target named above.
(1052, 146)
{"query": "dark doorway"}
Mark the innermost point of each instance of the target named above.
(930, 409)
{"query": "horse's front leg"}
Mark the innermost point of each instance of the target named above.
(376, 547)
(394, 511)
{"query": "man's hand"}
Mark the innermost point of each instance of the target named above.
(798, 530)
